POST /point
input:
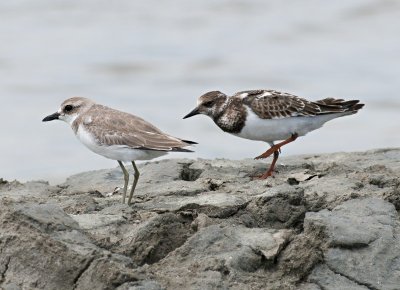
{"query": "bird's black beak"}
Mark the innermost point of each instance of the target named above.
(192, 113)
(51, 117)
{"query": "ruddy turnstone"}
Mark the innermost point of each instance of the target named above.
(268, 115)
(117, 135)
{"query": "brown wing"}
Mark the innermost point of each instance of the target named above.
(119, 128)
(270, 104)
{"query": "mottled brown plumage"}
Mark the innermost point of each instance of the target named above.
(269, 115)
(270, 104)
(233, 118)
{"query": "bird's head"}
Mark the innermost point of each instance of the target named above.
(209, 104)
(70, 109)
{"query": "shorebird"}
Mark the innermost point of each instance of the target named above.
(269, 116)
(117, 135)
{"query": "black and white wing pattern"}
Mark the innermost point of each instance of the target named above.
(271, 104)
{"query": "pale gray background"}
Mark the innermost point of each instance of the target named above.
(154, 58)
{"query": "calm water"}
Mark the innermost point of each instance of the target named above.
(154, 58)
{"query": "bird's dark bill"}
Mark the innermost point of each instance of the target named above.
(51, 117)
(192, 113)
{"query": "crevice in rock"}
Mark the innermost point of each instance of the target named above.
(383, 181)
(293, 181)
(301, 254)
(393, 196)
(304, 278)
(3, 274)
(281, 250)
(312, 176)
(189, 174)
(213, 211)
(116, 285)
(296, 181)
(83, 270)
(213, 186)
(354, 246)
(369, 286)
(96, 193)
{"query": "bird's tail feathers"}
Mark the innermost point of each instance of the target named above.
(331, 105)
(189, 142)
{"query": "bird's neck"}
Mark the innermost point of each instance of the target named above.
(78, 119)
(231, 118)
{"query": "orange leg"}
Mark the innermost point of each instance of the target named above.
(269, 172)
(275, 149)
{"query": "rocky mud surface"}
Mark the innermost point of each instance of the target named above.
(323, 222)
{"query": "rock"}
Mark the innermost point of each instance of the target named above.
(30, 258)
(323, 222)
(202, 221)
(141, 285)
(42, 248)
(218, 252)
(32, 190)
(152, 240)
(308, 286)
(355, 223)
(363, 233)
(280, 207)
(94, 221)
(80, 205)
(355, 243)
(105, 274)
(213, 204)
(329, 280)
(45, 216)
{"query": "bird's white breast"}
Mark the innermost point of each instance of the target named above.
(115, 152)
(270, 130)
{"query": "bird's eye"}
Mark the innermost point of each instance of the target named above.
(208, 104)
(68, 108)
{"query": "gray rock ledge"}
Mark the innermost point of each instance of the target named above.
(327, 221)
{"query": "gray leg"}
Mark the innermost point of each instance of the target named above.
(126, 178)
(137, 174)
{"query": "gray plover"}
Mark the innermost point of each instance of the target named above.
(269, 116)
(117, 135)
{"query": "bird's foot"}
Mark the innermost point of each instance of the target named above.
(268, 153)
(264, 175)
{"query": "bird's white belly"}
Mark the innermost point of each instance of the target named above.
(115, 152)
(270, 130)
